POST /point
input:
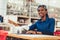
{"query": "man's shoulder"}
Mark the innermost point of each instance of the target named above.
(51, 19)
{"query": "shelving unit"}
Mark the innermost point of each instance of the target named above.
(25, 15)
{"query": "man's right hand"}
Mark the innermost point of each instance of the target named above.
(33, 32)
(30, 32)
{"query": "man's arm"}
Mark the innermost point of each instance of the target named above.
(31, 29)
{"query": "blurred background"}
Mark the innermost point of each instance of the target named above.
(24, 13)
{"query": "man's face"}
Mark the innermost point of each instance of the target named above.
(42, 12)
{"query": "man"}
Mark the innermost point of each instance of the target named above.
(45, 25)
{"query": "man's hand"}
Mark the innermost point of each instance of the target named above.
(39, 32)
(30, 32)
(33, 32)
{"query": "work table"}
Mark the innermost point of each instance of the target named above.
(34, 37)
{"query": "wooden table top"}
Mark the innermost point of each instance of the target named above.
(35, 37)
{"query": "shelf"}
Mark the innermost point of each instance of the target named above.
(3, 24)
(57, 27)
(36, 18)
(22, 16)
